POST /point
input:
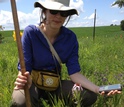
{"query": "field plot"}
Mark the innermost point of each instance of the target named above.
(101, 60)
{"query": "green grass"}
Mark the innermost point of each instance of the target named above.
(100, 31)
(101, 61)
(8, 71)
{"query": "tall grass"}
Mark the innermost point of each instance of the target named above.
(8, 71)
(101, 61)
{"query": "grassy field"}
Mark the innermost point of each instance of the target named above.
(101, 60)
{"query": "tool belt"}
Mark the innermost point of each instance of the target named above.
(45, 80)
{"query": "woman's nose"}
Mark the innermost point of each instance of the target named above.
(58, 14)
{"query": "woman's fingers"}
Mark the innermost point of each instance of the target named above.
(113, 92)
(110, 93)
(102, 93)
(21, 80)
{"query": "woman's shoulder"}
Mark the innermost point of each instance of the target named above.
(67, 31)
(30, 28)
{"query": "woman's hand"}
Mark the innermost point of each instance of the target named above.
(112, 92)
(21, 80)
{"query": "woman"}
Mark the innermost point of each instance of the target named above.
(38, 57)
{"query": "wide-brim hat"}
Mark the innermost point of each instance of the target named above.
(61, 5)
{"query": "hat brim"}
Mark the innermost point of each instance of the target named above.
(55, 6)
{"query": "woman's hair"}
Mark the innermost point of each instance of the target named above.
(42, 16)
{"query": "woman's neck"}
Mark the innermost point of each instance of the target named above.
(49, 32)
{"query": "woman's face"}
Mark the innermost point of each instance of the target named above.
(55, 19)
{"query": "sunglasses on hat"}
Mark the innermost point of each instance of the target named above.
(62, 13)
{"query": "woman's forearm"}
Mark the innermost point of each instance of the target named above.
(80, 79)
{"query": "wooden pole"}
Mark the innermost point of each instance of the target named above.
(94, 25)
(20, 51)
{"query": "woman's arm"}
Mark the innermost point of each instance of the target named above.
(80, 79)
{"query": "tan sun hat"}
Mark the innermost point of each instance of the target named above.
(61, 5)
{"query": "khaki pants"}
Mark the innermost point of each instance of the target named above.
(18, 98)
